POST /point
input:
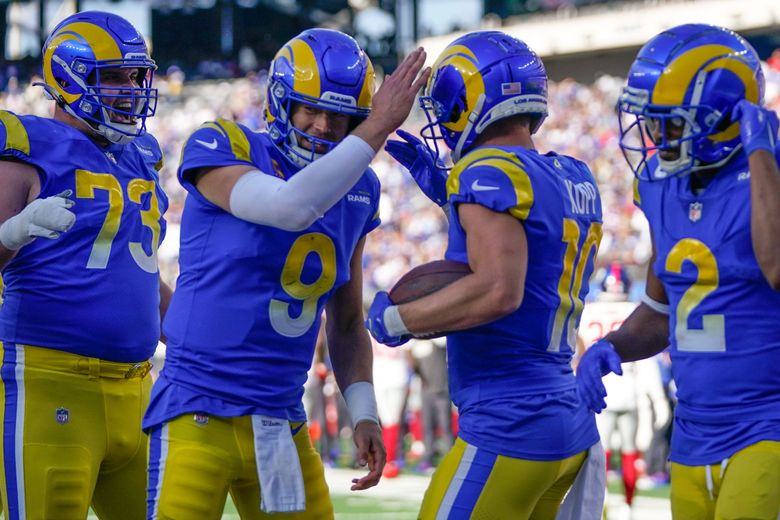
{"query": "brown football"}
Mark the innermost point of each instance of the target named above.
(426, 279)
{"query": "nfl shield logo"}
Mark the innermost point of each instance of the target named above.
(201, 419)
(694, 211)
(62, 415)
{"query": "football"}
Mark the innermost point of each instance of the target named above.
(426, 279)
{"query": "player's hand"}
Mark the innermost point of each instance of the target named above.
(375, 323)
(371, 451)
(757, 126)
(393, 101)
(421, 163)
(46, 218)
(599, 360)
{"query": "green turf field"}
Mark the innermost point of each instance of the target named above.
(348, 508)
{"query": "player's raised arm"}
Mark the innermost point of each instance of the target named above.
(758, 131)
(295, 204)
(394, 100)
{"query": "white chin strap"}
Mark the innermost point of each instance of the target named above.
(110, 134)
(298, 154)
(116, 137)
(472, 119)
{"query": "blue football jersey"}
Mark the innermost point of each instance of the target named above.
(95, 290)
(511, 379)
(724, 316)
(243, 321)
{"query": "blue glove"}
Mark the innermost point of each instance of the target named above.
(375, 323)
(599, 360)
(421, 163)
(757, 126)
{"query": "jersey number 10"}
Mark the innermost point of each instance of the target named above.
(575, 259)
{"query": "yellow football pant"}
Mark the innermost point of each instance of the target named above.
(195, 460)
(746, 487)
(473, 484)
(72, 437)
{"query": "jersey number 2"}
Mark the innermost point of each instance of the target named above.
(712, 336)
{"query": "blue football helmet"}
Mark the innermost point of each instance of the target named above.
(76, 53)
(478, 79)
(322, 68)
(678, 100)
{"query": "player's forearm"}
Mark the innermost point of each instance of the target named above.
(350, 355)
(471, 301)
(765, 214)
(296, 204)
(643, 334)
(165, 299)
(374, 131)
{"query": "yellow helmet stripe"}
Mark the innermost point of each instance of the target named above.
(465, 62)
(101, 43)
(48, 74)
(674, 81)
(307, 74)
(453, 50)
(747, 75)
(367, 92)
(16, 137)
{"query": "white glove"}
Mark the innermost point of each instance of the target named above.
(41, 218)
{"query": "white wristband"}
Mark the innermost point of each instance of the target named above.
(361, 402)
(662, 308)
(393, 323)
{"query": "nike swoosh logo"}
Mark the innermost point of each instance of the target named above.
(476, 186)
(211, 145)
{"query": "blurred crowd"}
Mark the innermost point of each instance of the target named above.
(411, 382)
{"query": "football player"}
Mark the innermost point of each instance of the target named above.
(529, 226)
(81, 211)
(705, 158)
(273, 232)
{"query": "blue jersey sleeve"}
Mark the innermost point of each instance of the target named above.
(494, 178)
(150, 151)
(376, 190)
(215, 144)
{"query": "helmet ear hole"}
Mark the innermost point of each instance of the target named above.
(461, 105)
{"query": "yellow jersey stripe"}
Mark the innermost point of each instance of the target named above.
(16, 137)
(506, 162)
(238, 141)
